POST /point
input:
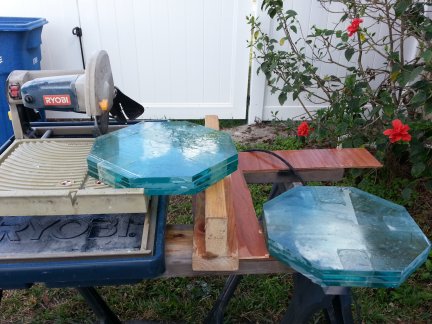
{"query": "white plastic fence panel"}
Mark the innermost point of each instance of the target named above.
(181, 59)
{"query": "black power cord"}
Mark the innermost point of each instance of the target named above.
(77, 31)
(289, 165)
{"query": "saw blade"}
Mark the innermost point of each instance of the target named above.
(102, 122)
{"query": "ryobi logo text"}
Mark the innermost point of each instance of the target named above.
(57, 100)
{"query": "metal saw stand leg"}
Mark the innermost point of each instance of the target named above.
(215, 316)
(102, 311)
(310, 298)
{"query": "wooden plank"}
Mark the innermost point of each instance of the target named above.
(310, 159)
(216, 220)
(212, 121)
(201, 259)
(178, 257)
(215, 240)
(251, 240)
(287, 176)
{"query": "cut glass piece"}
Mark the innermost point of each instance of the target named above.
(164, 158)
(339, 236)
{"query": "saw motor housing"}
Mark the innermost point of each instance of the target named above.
(89, 91)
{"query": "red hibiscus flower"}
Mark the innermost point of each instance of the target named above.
(398, 132)
(354, 27)
(303, 129)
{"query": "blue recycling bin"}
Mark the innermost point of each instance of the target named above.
(20, 40)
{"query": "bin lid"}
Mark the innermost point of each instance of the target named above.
(21, 23)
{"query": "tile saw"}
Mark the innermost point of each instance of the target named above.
(52, 211)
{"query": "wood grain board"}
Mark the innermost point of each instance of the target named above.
(215, 241)
(179, 259)
(251, 240)
(310, 159)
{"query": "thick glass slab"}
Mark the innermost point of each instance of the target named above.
(155, 189)
(164, 158)
(344, 236)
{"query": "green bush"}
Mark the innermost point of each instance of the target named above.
(384, 107)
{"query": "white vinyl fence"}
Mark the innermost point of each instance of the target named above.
(181, 59)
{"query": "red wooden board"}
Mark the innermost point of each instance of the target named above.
(313, 159)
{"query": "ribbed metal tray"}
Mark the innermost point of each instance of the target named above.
(43, 177)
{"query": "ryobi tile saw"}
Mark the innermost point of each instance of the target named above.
(51, 209)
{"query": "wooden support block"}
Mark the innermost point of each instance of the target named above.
(216, 220)
(179, 257)
(250, 236)
(215, 245)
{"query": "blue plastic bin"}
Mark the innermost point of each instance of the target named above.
(20, 40)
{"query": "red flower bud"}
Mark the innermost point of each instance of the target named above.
(303, 129)
(354, 27)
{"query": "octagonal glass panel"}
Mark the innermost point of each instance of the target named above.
(164, 158)
(341, 236)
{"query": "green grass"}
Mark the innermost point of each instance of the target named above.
(258, 299)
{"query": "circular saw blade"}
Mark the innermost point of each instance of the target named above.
(99, 84)
(102, 122)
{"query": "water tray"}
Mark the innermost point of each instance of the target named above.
(44, 177)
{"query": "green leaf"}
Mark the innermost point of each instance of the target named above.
(409, 75)
(388, 110)
(416, 72)
(427, 55)
(256, 34)
(344, 17)
(291, 13)
(282, 98)
(349, 53)
(406, 193)
(293, 28)
(282, 41)
(344, 37)
(401, 6)
(403, 78)
(419, 98)
(417, 169)
(428, 106)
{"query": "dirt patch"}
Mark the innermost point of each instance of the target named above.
(257, 133)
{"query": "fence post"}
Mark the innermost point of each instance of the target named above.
(258, 81)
